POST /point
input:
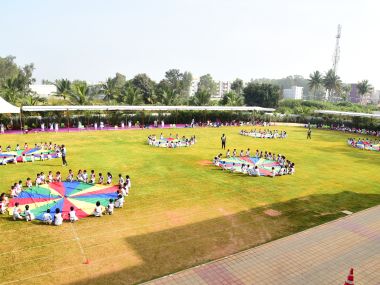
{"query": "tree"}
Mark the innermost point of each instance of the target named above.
(332, 83)
(232, 98)
(364, 88)
(8, 68)
(201, 98)
(237, 86)
(130, 95)
(80, 94)
(11, 91)
(168, 98)
(315, 82)
(207, 84)
(63, 88)
(261, 94)
(33, 99)
(109, 89)
(344, 91)
(146, 87)
(176, 82)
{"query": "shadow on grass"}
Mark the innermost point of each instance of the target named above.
(168, 251)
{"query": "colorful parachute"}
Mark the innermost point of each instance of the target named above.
(171, 142)
(264, 165)
(27, 155)
(82, 196)
(364, 145)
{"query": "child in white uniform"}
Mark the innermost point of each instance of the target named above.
(47, 218)
(29, 216)
(73, 215)
(98, 210)
(110, 207)
(16, 212)
(58, 220)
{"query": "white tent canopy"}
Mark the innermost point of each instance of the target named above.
(348, 114)
(7, 108)
(143, 108)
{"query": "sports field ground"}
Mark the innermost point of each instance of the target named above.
(182, 210)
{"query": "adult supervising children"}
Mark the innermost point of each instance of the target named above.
(223, 139)
(63, 153)
(308, 134)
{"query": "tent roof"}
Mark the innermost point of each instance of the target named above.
(7, 108)
(143, 108)
(348, 114)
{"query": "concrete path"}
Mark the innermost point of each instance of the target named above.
(321, 255)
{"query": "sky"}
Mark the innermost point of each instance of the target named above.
(93, 39)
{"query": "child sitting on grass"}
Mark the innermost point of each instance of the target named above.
(110, 207)
(72, 215)
(58, 220)
(98, 210)
(29, 216)
(47, 218)
(16, 212)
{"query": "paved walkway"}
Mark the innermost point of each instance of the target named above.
(321, 255)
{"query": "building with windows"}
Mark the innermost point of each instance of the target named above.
(295, 92)
(222, 87)
(193, 87)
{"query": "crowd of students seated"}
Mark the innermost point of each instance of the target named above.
(171, 142)
(50, 149)
(252, 168)
(82, 176)
(265, 134)
(369, 144)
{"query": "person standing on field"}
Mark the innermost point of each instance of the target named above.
(63, 152)
(308, 134)
(223, 139)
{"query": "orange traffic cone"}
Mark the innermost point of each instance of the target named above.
(350, 278)
(87, 261)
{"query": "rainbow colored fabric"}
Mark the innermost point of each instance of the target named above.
(82, 196)
(171, 142)
(365, 145)
(264, 165)
(26, 155)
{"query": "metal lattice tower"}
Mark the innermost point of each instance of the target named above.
(337, 49)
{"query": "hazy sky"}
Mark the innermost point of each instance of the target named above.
(94, 39)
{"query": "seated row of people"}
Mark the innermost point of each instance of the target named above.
(265, 134)
(171, 142)
(58, 216)
(41, 146)
(82, 176)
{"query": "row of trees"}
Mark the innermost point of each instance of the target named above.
(173, 89)
(329, 87)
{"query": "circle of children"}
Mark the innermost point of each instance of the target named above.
(41, 151)
(285, 166)
(57, 218)
(171, 142)
(365, 144)
(264, 134)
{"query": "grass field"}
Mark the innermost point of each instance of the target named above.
(181, 211)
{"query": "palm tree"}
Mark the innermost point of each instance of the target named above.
(315, 82)
(33, 99)
(364, 88)
(63, 88)
(201, 98)
(332, 83)
(130, 96)
(109, 89)
(10, 91)
(169, 97)
(80, 94)
(233, 99)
